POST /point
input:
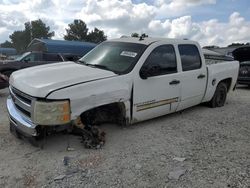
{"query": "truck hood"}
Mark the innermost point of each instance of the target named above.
(39, 81)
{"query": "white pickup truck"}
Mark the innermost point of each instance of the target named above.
(124, 81)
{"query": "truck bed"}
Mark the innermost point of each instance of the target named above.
(212, 57)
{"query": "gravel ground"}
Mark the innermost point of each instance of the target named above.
(215, 144)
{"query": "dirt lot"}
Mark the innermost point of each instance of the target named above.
(214, 142)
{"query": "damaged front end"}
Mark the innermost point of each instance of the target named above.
(35, 119)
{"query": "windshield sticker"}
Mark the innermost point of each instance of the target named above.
(128, 54)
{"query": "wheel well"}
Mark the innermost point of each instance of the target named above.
(228, 82)
(109, 113)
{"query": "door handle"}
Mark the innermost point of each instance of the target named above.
(174, 82)
(201, 76)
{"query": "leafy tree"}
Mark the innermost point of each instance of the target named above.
(235, 44)
(135, 35)
(6, 44)
(96, 36)
(78, 31)
(210, 47)
(19, 40)
(38, 29)
(144, 35)
(33, 29)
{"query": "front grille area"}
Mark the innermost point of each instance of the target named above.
(22, 101)
(244, 71)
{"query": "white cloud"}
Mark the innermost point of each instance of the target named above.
(161, 18)
(169, 8)
(211, 32)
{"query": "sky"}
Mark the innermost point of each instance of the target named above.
(210, 22)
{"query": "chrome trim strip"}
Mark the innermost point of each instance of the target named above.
(21, 122)
(19, 102)
(21, 93)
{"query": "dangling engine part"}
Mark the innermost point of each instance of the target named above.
(92, 136)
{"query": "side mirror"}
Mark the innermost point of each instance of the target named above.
(144, 73)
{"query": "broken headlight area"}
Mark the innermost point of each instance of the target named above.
(51, 112)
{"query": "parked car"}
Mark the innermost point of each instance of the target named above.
(242, 54)
(30, 59)
(123, 81)
(244, 73)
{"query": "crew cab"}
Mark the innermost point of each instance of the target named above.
(125, 81)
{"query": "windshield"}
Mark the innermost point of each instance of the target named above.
(22, 56)
(118, 57)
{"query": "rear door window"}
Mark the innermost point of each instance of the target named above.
(190, 57)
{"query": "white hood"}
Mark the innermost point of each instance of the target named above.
(38, 81)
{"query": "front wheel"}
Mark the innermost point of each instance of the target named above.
(220, 96)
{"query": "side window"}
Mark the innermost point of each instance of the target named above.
(32, 57)
(52, 57)
(190, 57)
(162, 60)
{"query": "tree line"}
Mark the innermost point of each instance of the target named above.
(77, 30)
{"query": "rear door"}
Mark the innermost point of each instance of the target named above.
(159, 93)
(194, 76)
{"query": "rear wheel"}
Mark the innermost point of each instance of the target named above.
(220, 96)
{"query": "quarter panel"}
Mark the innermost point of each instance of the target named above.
(220, 72)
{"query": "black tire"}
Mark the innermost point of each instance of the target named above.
(220, 96)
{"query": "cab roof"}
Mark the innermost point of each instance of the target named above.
(149, 40)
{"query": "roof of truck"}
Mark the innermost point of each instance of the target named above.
(149, 40)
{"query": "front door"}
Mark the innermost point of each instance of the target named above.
(33, 59)
(157, 89)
